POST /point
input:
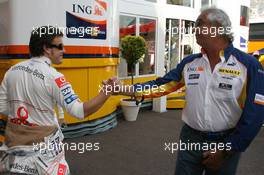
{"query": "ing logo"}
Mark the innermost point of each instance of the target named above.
(195, 69)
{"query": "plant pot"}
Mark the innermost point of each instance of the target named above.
(130, 109)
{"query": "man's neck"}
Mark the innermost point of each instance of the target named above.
(213, 52)
(45, 55)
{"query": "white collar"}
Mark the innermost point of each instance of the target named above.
(42, 59)
(204, 56)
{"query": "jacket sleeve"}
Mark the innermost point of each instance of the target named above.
(171, 82)
(64, 95)
(4, 107)
(253, 113)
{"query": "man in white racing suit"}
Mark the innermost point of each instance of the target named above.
(28, 94)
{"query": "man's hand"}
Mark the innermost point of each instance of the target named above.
(213, 161)
(112, 86)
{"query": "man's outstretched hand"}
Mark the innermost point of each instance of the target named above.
(112, 86)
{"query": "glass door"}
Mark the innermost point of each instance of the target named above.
(172, 43)
(180, 41)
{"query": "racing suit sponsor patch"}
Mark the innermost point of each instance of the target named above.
(194, 76)
(68, 95)
(61, 81)
(228, 78)
(231, 64)
(225, 86)
(229, 71)
(259, 99)
(27, 69)
(71, 98)
(21, 167)
(22, 117)
(195, 69)
(61, 169)
(192, 84)
(66, 91)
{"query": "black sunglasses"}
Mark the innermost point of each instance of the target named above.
(60, 46)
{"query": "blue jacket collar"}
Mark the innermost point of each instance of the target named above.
(228, 51)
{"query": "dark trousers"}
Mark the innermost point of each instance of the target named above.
(189, 161)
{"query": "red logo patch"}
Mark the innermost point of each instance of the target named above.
(61, 169)
(22, 113)
(61, 81)
(200, 69)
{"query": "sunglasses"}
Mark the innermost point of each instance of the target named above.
(60, 46)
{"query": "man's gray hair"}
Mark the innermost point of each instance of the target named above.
(219, 17)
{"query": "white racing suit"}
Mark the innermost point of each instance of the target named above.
(28, 94)
(45, 158)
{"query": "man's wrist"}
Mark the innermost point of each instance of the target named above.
(104, 94)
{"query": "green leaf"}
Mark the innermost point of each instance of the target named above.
(132, 49)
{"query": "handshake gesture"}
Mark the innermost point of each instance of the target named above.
(114, 86)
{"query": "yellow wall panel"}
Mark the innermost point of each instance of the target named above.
(255, 45)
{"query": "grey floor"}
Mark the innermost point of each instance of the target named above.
(137, 148)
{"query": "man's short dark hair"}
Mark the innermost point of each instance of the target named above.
(42, 36)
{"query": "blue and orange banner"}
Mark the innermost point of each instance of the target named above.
(87, 21)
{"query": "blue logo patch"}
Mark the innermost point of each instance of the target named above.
(71, 98)
(66, 91)
(192, 84)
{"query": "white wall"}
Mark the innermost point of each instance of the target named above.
(233, 11)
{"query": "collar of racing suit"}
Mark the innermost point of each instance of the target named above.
(42, 59)
(224, 54)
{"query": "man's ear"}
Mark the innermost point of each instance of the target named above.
(46, 49)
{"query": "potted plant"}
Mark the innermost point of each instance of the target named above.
(133, 49)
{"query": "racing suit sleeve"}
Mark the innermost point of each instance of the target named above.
(171, 82)
(60, 111)
(253, 113)
(4, 108)
(64, 95)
